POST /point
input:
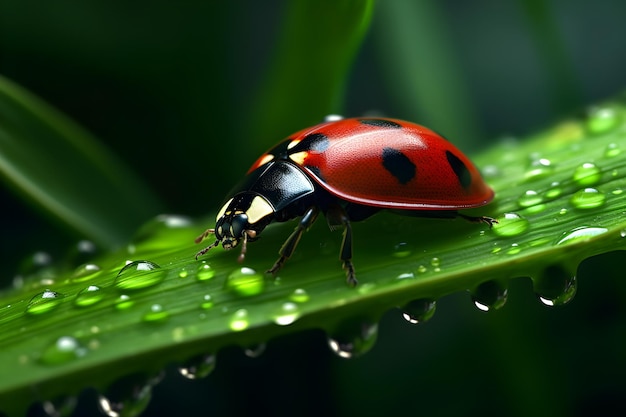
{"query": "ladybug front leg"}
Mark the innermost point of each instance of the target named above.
(292, 241)
(336, 216)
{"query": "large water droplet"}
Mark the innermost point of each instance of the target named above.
(86, 272)
(286, 314)
(64, 349)
(419, 311)
(588, 198)
(580, 234)
(205, 272)
(587, 174)
(128, 396)
(555, 286)
(44, 302)
(138, 275)
(88, 296)
(530, 198)
(245, 281)
(510, 224)
(353, 338)
(490, 295)
(239, 320)
(299, 295)
(198, 367)
(538, 168)
(602, 119)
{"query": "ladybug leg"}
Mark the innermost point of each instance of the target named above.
(489, 221)
(204, 235)
(336, 216)
(292, 241)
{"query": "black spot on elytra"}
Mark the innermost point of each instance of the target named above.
(380, 123)
(460, 169)
(399, 165)
(316, 142)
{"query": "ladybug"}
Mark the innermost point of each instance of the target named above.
(349, 169)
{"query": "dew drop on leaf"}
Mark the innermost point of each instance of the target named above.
(88, 296)
(245, 281)
(588, 198)
(353, 338)
(205, 272)
(587, 174)
(63, 350)
(510, 224)
(419, 311)
(555, 286)
(44, 302)
(198, 367)
(489, 296)
(138, 275)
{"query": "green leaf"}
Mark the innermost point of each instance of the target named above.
(65, 171)
(559, 199)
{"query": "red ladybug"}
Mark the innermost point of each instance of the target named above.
(349, 169)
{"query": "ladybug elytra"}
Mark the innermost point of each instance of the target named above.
(349, 169)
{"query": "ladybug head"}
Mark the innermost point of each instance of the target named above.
(231, 228)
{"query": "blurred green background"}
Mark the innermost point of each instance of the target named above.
(185, 94)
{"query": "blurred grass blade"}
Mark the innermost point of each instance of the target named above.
(421, 68)
(305, 81)
(66, 172)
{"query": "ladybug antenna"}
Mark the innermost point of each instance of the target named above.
(244, 246)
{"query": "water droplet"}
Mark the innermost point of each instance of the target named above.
(419, 311)
(183, 273)
(514, 249)
(239, 320)
(353, 339)
(245, 281)
(587, 174)
(64, 349)
(402, 250)
(62, 406)
(44, 302)
(555, 286)
(88, 296)
(554, 191)
(128, 396)
(198, 367)
(538, 168)
(86, 272)
(299, 295)
(156, 314)
(421, 269)
(587, 198)
(435, 262)
(138, 275)
(580, 234)
(489, 296)
(287, 314)
(602, 119)
(207, 302)
(255, 351)
(612, 150)
(530, 198)
(124, 302)
(205, 272)
(405, 276)
(159, 232)
(510, 224)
